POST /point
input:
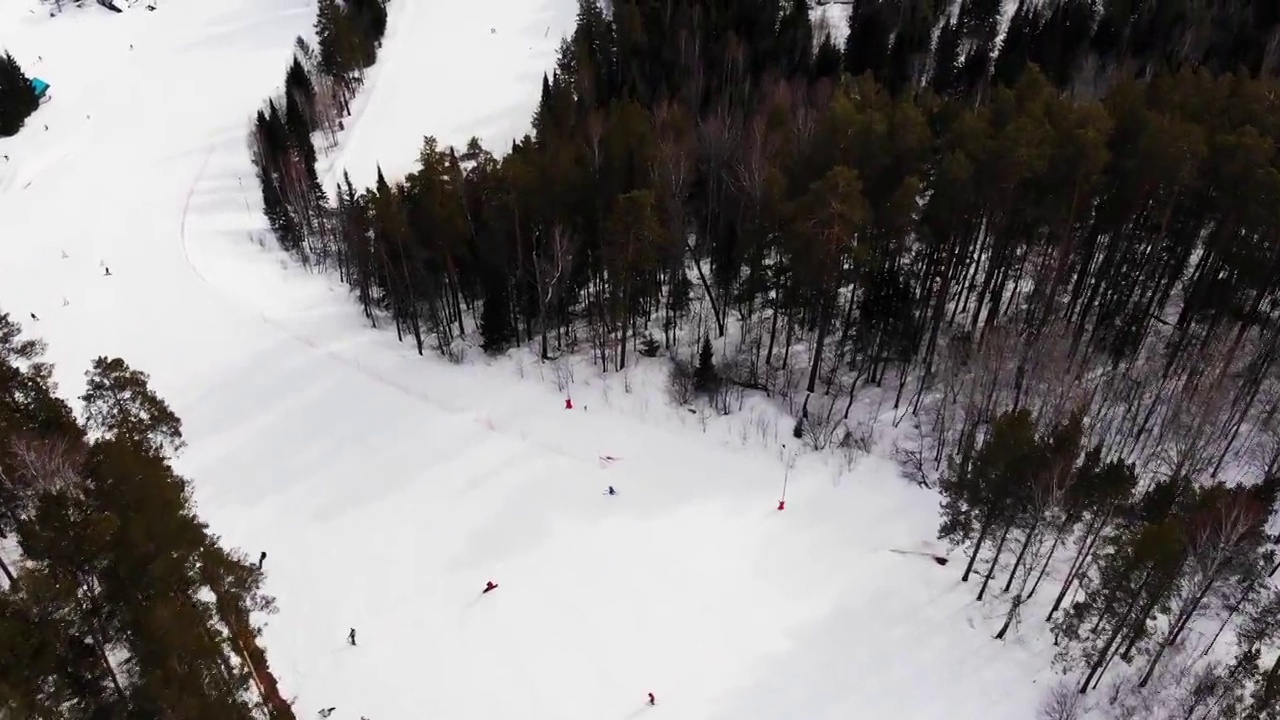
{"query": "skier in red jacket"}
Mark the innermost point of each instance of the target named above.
(652, 699)
(491, 585)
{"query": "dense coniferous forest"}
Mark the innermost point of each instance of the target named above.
(1082, 46)
(17, 96)
(1050, 251)
(115, 600)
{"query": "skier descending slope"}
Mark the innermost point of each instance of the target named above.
(488, 587)
(652, 699)
(351, 637)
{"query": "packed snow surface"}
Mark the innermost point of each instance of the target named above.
(388, 488)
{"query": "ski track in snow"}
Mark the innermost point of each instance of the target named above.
(388, 488)
(312, 344)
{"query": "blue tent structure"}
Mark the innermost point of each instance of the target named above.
(41, 87)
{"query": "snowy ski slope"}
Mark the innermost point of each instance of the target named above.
(387, 488)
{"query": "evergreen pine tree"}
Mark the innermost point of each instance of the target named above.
(368, 22)
(869, 36)
(981, 489)
(827, 60)
(495, 316)
(705, 377)
(946, 77)
(297, 120)
(17, 96)
(795, 40)
(331, 39)
(119, 405)
(297, 84)
(542, 115)
(124, 606)
(31, 416)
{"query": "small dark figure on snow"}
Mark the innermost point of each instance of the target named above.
(612, 491)
(652, 700)
(351, 637)
(568, 403)
(33, 317)
(65, 255)
(65, 302)
(262, 558)
(489, 587)
(327, 712)
(106, 271)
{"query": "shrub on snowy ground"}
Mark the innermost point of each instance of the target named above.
(681, 382)
(1062, 703)
(649, 346)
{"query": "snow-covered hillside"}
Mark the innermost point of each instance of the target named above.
(388, 488)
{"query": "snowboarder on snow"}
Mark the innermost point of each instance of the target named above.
(33, 317)
(489, 587)
(327, 712)
(612, 491)
(106, 271)
(351, 637)
(652, 699)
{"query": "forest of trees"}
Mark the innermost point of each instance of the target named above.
(1056, 259)
(115, 600)
(318, 89)
(1082, 46)
(17, 96)
(1145, 563)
